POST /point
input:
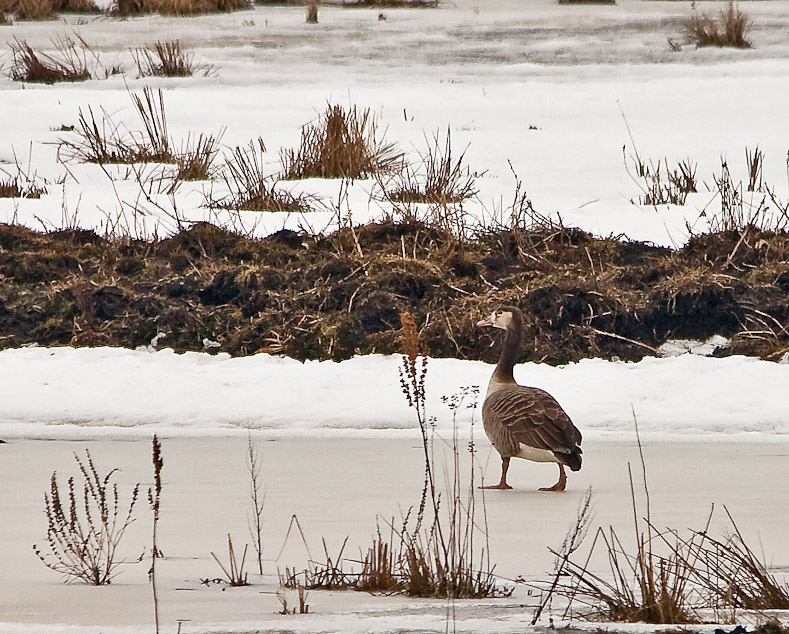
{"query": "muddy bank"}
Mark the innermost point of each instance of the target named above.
(329, 297)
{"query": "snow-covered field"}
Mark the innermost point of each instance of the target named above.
(541, 86)
(536, 84)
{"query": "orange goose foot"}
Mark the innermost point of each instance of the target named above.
(561, 484)
(502, 485)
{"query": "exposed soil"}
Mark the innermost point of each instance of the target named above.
(334, 296)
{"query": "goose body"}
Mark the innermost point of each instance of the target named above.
(525, 422)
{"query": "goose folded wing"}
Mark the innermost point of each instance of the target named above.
(533, 417)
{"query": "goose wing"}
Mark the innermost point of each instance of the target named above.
(533, 417)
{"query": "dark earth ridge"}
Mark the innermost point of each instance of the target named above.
(330, 297)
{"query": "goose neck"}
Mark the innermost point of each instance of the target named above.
(510, 348)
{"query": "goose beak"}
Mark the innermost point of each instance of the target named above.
(485, 322)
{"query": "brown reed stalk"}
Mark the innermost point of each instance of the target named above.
(234, 571)
(154, 501)
(257, 496)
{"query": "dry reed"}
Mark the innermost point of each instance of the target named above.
(729, 29)
(341, 144)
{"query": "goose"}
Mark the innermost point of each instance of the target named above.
(525, 422)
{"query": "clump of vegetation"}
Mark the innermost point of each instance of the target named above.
(341, 144)
(196, 158)
(587, 1)
(667, 578)
(249, 186)
(20, 185)
(730, 28)
(440, 183)
(312, 11)
(43, 9)
(739, 212)
(303, 607)
(99, 139)
(166, 59)
(73, 60)
(440, 179)
(176, 7)
(393, 4)
(294, 293)
(441, 548)
(234, 570)
(28, 9)
(662, 185)
(85, 525)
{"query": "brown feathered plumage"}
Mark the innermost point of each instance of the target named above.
(525, 422)
(515, 415)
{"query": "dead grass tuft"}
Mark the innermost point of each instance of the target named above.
(667, 578)
(341, 144)
(441, 179)
(176, 7)
(728, 29)
(196, 158)
(250, 188)
(440, 184)
(585, 2)
(738, 212)
(234, 569)
(312, 11)
(662, 185)
(71, 61)
(165, 59)
(98, 139)
(21, 184)
(28, 9)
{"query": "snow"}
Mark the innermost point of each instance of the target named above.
(97, 392)
(549, 89)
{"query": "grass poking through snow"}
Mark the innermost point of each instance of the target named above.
(341, 144)
(730, 28)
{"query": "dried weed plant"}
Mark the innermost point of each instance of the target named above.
(440, 182)
(234, 570)
(154, 501)
(72, 60)
(166, 59)
(21, 184)
(196, 157)
(729, 29)
(641, 584)
(85, 525)
(341, 144)
(257, 496)
(442, 549)
(662, 185)
(250, 188)
(667, 578)
(762, 210)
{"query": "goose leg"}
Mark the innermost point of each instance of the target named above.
(561, 484)
(505, 464)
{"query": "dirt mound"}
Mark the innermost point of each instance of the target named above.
(330, 297)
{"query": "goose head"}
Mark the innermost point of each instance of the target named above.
(500, 318)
